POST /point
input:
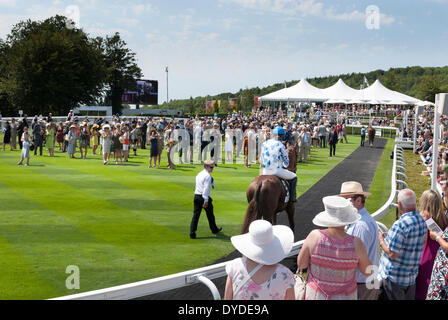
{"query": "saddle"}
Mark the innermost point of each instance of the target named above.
(285, 184)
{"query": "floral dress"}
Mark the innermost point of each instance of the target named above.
(272, 289)
(438, 287)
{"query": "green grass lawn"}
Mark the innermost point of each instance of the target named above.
(381, 183)
(117, 223)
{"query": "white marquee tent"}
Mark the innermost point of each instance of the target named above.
(303, 91)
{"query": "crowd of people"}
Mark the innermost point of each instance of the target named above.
(343, 260)
(120, 138)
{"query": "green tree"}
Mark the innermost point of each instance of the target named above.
(391, 81)
(191, 105)
(224, 106)
(248, 101)
(429, 87)
(215, 106)
(122, 67)
(6, 108)
(50, 68)
(238, 104)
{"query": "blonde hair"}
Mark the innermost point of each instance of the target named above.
(431, 202)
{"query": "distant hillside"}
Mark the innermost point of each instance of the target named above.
(420, 82)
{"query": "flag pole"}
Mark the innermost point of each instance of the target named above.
(166, 69)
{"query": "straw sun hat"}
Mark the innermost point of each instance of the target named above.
(209, 163)
(338, 212)
(352, 188)
(265, 244)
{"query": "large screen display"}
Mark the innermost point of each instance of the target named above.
(144, 92)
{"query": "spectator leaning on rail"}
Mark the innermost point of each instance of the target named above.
(367, 230)
(402, 250)
(331, 255)
(258, 275)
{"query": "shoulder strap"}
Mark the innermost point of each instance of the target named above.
(248, 276)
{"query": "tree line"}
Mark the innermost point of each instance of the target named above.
(51, 66)
(419, 82)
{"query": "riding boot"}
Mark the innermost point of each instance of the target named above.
(292, 190)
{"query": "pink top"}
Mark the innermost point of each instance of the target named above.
(425, 268)
(332, 271)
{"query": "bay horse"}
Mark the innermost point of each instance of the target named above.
(266, 197)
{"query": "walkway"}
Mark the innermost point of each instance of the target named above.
(359, 166)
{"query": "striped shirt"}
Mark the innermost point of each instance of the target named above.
(332, 271)
(405, 237)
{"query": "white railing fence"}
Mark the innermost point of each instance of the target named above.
(206, 274)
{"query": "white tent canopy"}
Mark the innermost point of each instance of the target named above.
(340, 93)
(304, 91)
(379, 92)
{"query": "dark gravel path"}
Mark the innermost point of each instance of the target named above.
(359, 166)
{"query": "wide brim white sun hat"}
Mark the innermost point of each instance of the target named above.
(264, 243)
(338, 212)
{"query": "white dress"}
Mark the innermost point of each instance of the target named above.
(228, 146)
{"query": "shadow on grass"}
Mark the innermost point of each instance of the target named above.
(220, 236)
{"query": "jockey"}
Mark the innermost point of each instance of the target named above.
(274, 155)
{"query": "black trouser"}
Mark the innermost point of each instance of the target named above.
(332, 149)
(38, 144)
(198, 202)
(363, 138)
(19, 135)
(143, 141)
(323, 142)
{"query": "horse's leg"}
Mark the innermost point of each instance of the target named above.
(290, 210)
(269, 205)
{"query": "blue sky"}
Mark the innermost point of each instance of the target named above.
(214, 46)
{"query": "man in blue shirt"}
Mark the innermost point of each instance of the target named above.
(367, 230)
(402, 250)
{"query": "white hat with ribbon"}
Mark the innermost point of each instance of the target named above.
(338, 212)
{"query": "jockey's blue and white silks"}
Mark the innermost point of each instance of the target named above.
(275, 157)
(274, 153)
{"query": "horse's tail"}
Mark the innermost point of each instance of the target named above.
(254, 210)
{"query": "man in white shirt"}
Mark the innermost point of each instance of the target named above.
(367, 230)
(202, 199)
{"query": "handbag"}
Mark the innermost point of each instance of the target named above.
(300, 285)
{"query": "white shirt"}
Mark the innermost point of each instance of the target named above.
(204, 182)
